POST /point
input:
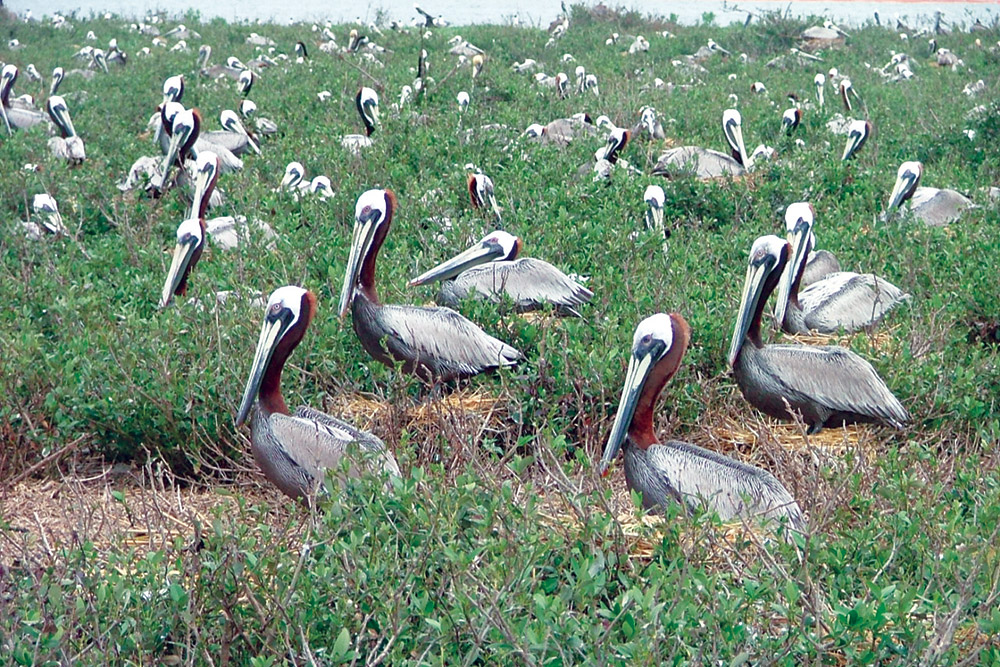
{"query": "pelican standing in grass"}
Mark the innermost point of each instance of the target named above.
(490, 270)
(931, 206)
(367, 104)
(842, 301)
(677, 471)
(295, 450)
(436, 344)
(825, 385)
(69, 145)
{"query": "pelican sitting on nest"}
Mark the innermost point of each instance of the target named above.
(858, 132)
(69, 145)
(234, 137)
(562, 131)
(677, 471)
(47, 214)
(433, 343)
(931, 206)
(843, 301)
(367, 103)
(825, 385)
(490, 270)
(294, 451)
(705, 162)
(15, 118)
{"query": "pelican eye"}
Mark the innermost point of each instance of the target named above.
(647, 339)
(276, 308)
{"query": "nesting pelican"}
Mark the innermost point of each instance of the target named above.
(705, 162)
(433, 343)
(858, 132)
(931, 206)
(655, 200)
(46, 212)
(791, 119)
(842, 301)
(676, 471)
(69, 145)
(293, 451)
(490, 270)
(825, 385)
(15, 118)
(367, 104)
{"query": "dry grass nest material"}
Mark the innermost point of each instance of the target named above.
(366, 410)
(746, 440)
(883, 341)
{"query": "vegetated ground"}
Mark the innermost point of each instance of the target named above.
(135, 528)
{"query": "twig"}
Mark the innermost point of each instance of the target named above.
(27, 472)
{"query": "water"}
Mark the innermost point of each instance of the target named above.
(535, 12)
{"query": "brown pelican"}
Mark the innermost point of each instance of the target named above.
(13, 117)
(173, 91)
(857, 134)
(248, 110)
(826, 385)
(655, 200)
(58, 74)
(481, 193)
(245, 82)
(69, 145)
(434, 343)
(463, 100)
(490, 270)
(650, 123)
(847, 91)
(562, 131)
(820, 82)
(791, 119)
(843, 301)
(931, 206)
(234, 137)
(47, 213)
(293, 451)
(184, 126)
(677, 471)
(367, 104)
(707, 163)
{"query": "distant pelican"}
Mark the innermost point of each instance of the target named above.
(676, 471)
(705, 162)
(481, 193)
(655, 200)
(858, 132)
(13, 117)
(843, 301)
(367, 104)
(791, 119)
(931, 206)
(434, 343)
(294, 451)
(820, 82)
(46, 212)
(826, 385)
(69, 145)
(490, 270)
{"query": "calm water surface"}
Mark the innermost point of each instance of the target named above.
(537, 12)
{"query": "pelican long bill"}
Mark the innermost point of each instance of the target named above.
(753, 286)
(635, 379)
(905, 181)
(188, 242)
(365, 225)
(276, 323)
(799, 238)
(481, 253)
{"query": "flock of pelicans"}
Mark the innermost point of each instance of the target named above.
(823, 386)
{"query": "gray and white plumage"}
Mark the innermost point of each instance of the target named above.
(820, 264)
(931, 206)
(701, 162)
(530, 283)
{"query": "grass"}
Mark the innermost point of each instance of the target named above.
(499, 545)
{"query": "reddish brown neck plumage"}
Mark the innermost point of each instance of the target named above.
(641, 431)
(366, 280)
(207, 195)
(270, 396)
(473, 195)
(195, 130)
(515, 251)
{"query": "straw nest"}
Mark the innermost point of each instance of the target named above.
(367, 411)
(748, 440)
(883, 341)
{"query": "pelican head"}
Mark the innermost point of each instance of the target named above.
(732, 128)
(230, 121)
(173, 89)
(535, 130)
(477, 65)
(799, 218)
(820, 82)
(187, 252)
(367, 103)
(46, 208)
(204, 55)
(857, 134)
(59, 113)
(768, 257)
(647, 118)
(300, 50)
(562, 84)
(100, 59)
(7, 78)
(791, 119)
(372, 217)
(617, 140)
(658, 345)
(907, 179)
(245, 82)
(206, 173)
(247, 108)
(655, 199)
(58, 74)
(463, 100)
(294, 173)
(183, 133)
(496, 247)
(289, 311)
(846, 90)
(481, 192)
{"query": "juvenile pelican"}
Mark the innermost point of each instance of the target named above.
(826, 385)
(490, 270)
(293, 451)
(367, 103)
(433, 343)
(857, 134)
(931, 206)
(840, 301)
(677, 471)
(481, 193)
(705, 162)
(69, 145)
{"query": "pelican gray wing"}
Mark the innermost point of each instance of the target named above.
(702, 162)
(530, 283)
(844, 300)
(828, 385)
(820, 264)
(228, 161)
(701, 477)
(294, 450)
(368, 442)
(938, 207)
(438, 341)
(234, 142)
(23, 119)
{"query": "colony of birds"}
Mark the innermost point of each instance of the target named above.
(433, 108)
